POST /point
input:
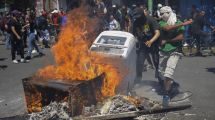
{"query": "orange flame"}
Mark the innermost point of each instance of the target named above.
(72, 56)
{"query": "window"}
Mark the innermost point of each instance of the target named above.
(113, 40)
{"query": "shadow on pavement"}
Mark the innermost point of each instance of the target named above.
(3, 67)
(211, 70)
(3, 59)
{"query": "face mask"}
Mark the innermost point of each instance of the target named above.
(165, 16)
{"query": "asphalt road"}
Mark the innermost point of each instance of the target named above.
(195, 74)
(12, 100)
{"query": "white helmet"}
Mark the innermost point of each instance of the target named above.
(160, 5)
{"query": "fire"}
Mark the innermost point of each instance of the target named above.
(72, 56)
(34, 101)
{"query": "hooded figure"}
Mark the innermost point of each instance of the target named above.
(168, 15)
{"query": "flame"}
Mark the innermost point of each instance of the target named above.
(34, 101)
(72, 56)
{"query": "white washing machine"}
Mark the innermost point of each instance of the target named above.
(122, 45)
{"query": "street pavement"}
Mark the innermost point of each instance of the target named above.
(12, 100)
(194, 74)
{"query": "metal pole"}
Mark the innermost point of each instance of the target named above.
(5, 5)
(150, 6)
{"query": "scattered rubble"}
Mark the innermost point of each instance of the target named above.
(159, 116)
(120, 104)
(54, 110)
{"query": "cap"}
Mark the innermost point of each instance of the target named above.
(134, 5)
(160, 5)
(54, 11)
(15, 12)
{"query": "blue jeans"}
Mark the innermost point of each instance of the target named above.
(8, 40)
(32, 43)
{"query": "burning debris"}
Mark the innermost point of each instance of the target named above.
(54, 111)
(77, 93)
(80, 80)
(114, 105)
(118, 104)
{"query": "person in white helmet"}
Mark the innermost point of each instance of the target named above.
(157, 15)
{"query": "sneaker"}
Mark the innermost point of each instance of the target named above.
(27, 58)
(15, 61)
(23, 60)
(47, 46)
(41, 54)
(174, 91)
(185, 45)
(34, 51)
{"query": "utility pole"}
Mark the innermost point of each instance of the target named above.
(150, 6)
(5, 5)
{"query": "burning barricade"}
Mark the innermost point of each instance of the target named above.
(85, 80)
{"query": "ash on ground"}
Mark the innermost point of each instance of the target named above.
(54, 111)
(159, 116)
(114, 105)
(120, 104)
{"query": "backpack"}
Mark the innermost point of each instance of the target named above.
(41, 23)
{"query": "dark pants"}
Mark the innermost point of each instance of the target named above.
(17, 47)
(201, 37)
(142, 53)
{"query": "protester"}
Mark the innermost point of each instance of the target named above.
(32, 41)
(194, 12)
(172, 35)
(56, 19)
(16, 38)
(157, 15)
(146, 29)
(113, 24)
(4, 27)
(197, 31)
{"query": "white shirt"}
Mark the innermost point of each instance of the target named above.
(114, 25)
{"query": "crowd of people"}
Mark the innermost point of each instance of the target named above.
(123, 17)
(27, 29)
(161, 36)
